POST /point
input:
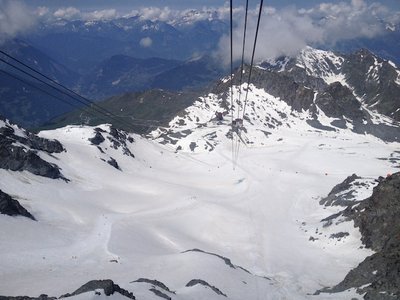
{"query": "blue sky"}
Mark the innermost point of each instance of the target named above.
(182, 4)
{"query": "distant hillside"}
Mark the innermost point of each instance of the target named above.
(28, 106)
(33, 107)
(40, 61)
(121, 73)
(144, 110)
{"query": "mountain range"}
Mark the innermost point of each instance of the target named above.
(72, 42)
(347, 89)
(100, 59)
(173, 215)
(196, 184)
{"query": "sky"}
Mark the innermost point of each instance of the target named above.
(182, 4)
(291, 25)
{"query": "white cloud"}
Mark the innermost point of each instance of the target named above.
(287, 31)
(170, 16)
(42, 11)
(106, 14)
(14, 19)
(350, 20)
(68, 13)
(146, 42)
(155, 13)
(72, 13)
(282, 32)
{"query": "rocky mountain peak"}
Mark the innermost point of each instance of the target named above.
(318, 87)
(373, 81)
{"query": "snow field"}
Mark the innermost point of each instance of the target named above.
(135, 223)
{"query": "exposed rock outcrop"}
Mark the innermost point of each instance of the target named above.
(154, 282)
(16, 158)
(342, 194)
(97, 139)
(114, 163)
(194, 282)
(377, 217)
(11, 207)
(375, 79)
(337, 101)
(19, 152)
(108, 286)
(120, 138)
(160, 294)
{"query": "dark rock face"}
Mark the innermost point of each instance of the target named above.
(317, 125)
(17, 157)
(374, 78)
(378, 220)
(192, 146)
(156, 283)
(226, 260)
(33, 141)
(381, 271)
(378, 216)
(160, 294)
(284, 86)
(114, 163)
(107, 285)
(119, 138)
(339, 235)
(194, 282)
(337, 101)
(337, 196)
(38, 143)
(384, 132)
(97, 139)
(281, 85)
(11, 207)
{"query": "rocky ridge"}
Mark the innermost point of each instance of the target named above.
(377, 277)
(372, 80)
(317, 89)
(107, 286)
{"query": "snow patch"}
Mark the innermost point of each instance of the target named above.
(320, 63)
(116, 82)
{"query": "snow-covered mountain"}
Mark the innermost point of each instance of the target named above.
(318, 90)
(169, 217)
